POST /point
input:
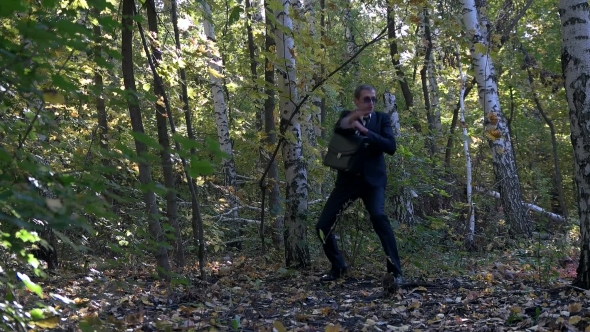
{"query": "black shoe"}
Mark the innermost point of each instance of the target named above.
(334, 274)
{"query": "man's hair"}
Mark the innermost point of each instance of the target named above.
(360, 88)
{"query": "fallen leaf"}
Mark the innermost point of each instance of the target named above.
(574, 307)
(333, 328)
(279, 326)
(48, 323)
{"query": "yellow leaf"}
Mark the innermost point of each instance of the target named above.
(215, 73)
(575, 320)
(516, 310)
(414, 305)
(279, 326)
(53, 97)
(48, 323)
(333, 328)
(54, 204)
(493, 134)
(74, 114)
(493, 117)
(574, 307)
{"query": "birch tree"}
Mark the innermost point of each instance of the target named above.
(575, 33)
(470, 213)
(295, 235)
(404, 208)
(495, 124)
(221, 121)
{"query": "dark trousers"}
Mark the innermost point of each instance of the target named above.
(374, 201)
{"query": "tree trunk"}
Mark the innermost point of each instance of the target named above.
(274, 199)
(103, 124)
(221, 119)
(495, 125)
(296, 245)
(404, 208)
(349, 38)
(145, 176)
(259, 121)
(164, 140)
(450, 140)
(395, 56)
(427, 67)
(322, 70)
(575, 33)
(196, 219)
(531, 62)
(471, 212)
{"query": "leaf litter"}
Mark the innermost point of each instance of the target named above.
(247, 294)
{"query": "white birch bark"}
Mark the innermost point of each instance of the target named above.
(404, 208)
(575, 34)
(221, 120)
(535, 208)
(302, 26)
(296, 246)
(220, 107)
(471, 211)
(496, 126)
(313, 119)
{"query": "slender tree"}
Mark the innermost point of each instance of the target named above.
(429, 86)
(164, 140)
(196, 219)
(530, 63)
(495, 123)
(469, 189)
(145, 176)
(103, 124)
(219, 102)
(295, 234)
(274, 200)
(404, 208)
(575, 34)
(395, 59)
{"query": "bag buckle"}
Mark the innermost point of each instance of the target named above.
(339, 155)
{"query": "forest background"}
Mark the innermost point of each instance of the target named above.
(163, 137)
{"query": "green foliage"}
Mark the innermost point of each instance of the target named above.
(48, 110)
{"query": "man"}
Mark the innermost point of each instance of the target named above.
(368, 183)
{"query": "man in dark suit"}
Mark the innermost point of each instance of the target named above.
(367, 183)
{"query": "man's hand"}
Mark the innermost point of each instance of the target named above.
(358, 114)
(358, 126)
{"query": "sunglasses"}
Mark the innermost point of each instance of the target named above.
(368, 99)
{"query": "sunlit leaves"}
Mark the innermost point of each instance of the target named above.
(33, 287)
(53, 97)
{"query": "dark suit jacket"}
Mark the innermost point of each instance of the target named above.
(380, 140)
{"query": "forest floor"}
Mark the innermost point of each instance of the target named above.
(250, 294)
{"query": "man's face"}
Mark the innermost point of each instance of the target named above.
(366, 101)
